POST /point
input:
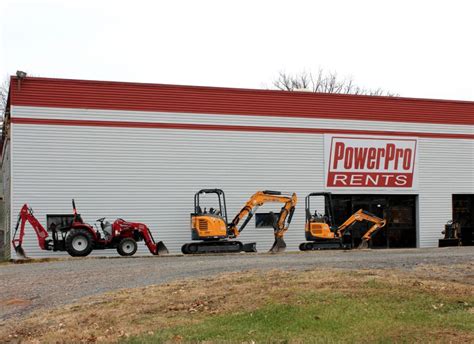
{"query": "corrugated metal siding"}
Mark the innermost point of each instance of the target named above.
(6, 186)
(233, 120)
(445, 167)
(150, 175)
(44, 92)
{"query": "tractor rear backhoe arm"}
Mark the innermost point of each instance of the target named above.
(359, 216)
(26, 214)
(280, 225)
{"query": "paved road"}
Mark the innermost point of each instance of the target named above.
(27, 287)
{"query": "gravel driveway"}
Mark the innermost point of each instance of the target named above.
(28, 287)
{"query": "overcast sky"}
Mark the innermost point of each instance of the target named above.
(414, 48)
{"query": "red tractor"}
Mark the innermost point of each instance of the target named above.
(70, 233)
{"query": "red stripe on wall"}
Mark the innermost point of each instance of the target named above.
(105, 95)
(187, 126)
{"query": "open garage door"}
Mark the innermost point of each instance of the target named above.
(399, 210)
(463, 212)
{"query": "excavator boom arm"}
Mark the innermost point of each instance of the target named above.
(286, 215)
(257, 200)
(360, 216)
(280, 226)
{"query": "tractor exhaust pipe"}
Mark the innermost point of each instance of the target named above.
(161, 249)
(278, 246)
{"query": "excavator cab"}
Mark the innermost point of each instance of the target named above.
(209, 224)
(319, 225)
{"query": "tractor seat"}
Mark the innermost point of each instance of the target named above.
(320, 218)
(107, 229)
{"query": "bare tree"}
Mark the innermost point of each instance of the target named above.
(3, 101)
(324, 82)
(3, 97)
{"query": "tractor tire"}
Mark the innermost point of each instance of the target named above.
(79, 242)
(127, 247)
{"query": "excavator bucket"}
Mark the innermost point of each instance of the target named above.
(161, 249)
(278, 246)
(364, 244)
(20, 252)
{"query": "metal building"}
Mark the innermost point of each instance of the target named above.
(141, 151)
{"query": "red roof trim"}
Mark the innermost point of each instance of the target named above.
(186, 126)
(46, 92)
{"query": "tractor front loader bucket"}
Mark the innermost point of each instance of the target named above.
(278, 246)
(161, 249)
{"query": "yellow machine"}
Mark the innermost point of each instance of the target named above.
(213, 229)
(322, 233)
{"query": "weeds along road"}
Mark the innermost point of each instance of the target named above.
(33, 286)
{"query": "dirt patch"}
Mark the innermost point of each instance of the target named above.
(13, 302)
(463, 273)
(114, 316)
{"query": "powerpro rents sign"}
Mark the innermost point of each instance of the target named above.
(370, 162)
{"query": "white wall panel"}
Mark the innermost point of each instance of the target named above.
(192, 118)
(151, 175)
(446, 167)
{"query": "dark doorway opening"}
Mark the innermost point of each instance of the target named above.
(463, 212)
(265, 220)
(399, 210)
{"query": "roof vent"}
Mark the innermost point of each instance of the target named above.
(20, 74)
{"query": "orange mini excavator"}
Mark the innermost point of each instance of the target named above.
(322, 233)
(213, 229)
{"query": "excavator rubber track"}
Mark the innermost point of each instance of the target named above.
(222, 246)
(324, 245)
